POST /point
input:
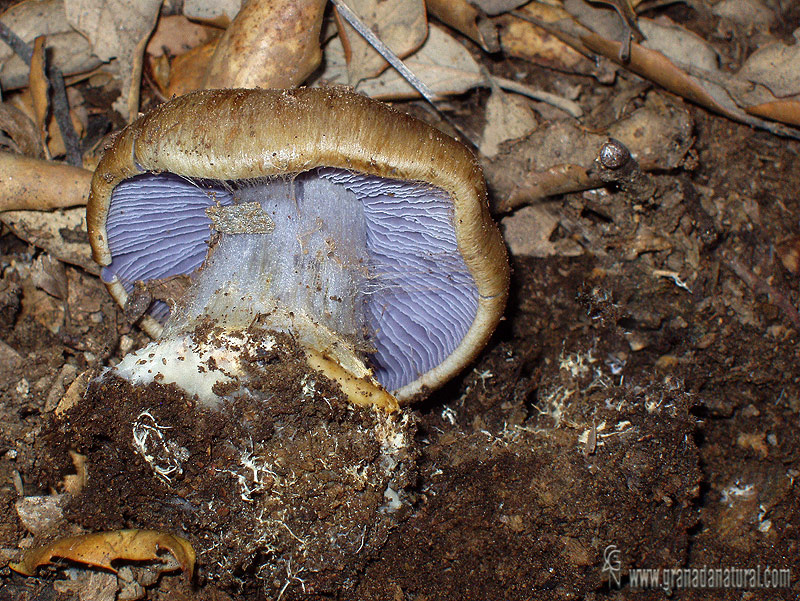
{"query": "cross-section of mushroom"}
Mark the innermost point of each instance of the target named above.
(358, 230)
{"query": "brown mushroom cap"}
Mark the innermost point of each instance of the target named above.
(246, 134)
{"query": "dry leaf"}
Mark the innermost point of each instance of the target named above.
(465, 18)
(268, 45)
(658, 135)
(78, 115)
(49, 275)
(560, 157)
(175, 35)
(67, 49)
(39, 514)
(38, 84)
(188, 71)
(22, 131)
(100, 549)
(712, 89)
(496, 7)
(684, 63)
(117, 29)
(442, 63)
(211, 10)
(603, 21)
(524, 40)
(508, 117)
(775, 66)
(189, 46)
(90, 586)
(72, 397)
(528, 233)
(61, 233)
(785, 111)
(400, 24)
(747, 13)
(75, 483)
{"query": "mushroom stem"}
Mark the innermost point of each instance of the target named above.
(305, 275)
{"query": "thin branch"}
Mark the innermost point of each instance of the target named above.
(16, 43)
(384, 50)
(58, 90)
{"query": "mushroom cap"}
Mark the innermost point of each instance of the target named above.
(246, 134)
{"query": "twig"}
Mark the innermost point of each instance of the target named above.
(62, 117)
(59, 95)
(16, 43)
(384, 50)
(566, 105)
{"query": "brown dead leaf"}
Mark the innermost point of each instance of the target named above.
(686, 64)
(712, 91)
(67, 49)
(78, 115)
(101, 549)
(560, 156)
(522, 39)
(75, 483)
(72, 397)
(40, 513)
(90, 586)
(175, 35)
(785, 111)
(658, 134)
(776, 67)
(179, 53)
(38, 84)
(508, 117)
(187, 72)
(467, 19)
(528, 232)
(211, 11)
(749, 13)
(496, 7)
(442, 63)
(400, 24)
(268, 45)
(61, 233)
(49, 275)
(21, 130)
(117, 29)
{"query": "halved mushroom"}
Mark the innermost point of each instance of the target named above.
(359, 230)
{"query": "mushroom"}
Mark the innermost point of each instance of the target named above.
(362, 232)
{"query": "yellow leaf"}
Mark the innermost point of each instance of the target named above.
(100, 549)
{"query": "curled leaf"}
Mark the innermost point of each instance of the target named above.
(100, 549)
